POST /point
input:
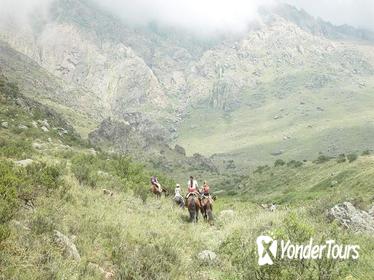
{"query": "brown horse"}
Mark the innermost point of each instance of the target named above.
(207, 208)
(157, 192)
(193, 205)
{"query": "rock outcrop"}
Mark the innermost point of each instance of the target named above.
(352, 218)
(67, 244)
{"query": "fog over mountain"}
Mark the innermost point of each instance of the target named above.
(210, 16)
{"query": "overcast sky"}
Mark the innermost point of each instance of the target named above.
(211, 15)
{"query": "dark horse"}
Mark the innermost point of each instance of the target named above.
(193, 205)
(207, 208)
(157, 192)
(179, 201)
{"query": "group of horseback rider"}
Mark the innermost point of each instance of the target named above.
(192, 189)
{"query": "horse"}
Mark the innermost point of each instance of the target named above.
(156, 191)
(207, 208)
(179, 201)
(193, 205)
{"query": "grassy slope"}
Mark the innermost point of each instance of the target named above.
(250, 133)
(153, 240)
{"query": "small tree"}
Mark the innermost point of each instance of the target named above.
(279, 162)
(352, 157)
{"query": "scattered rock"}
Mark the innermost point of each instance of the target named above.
(24, 163)
(207, 256)
(37, 146)
(34, 124)
(180, 150)
(21, 126)
(333, 183)
(69, 247)
(350, 217)
(270, 207)
(92, 151)
(44, 128)
(277, 153)
(49, 139)
(108, 192)
(4, 125)
(44, 123)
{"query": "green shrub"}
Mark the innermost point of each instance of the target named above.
(42, 222)
(322, 159)
(352, 157)
(261, 169)
(149, 261)
(44, 175)
(19, 149)
(341, 158)
(9, 182)
(279, 162)
(85, 168)
(366, 153)
(294, 164)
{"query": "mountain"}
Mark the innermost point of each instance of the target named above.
(283, 87)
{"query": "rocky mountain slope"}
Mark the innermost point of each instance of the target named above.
(284, 87)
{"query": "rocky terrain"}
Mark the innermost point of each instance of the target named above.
(283, 87)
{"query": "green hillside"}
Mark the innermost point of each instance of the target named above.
(57, 223)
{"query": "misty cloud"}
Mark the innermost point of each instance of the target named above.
(358, 13)
(208, 15)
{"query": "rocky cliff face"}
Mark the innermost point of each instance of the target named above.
(105, 68)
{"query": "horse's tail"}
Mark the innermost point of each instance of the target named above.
(192, 209)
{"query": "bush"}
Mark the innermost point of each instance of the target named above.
(351, 157)
(294, 164)
(366, 153)
(43, 175)
(239, 250)
(15, 149)
(341, 158)
(9, 182)
(152, 260)
(85, 168)
(279, 162)
(261, 169)
(322, 159)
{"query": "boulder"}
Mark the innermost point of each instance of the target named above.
(207, 256)
(371, 211)
(352, 218)
(69, 247)
(21, 126)
(180, 150)
(34, 124)
(44, 128)
(24, 163)
(4, 125)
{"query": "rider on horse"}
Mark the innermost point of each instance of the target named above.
(205, 191)
(154, 182)
(193, 187)
(178, 196)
